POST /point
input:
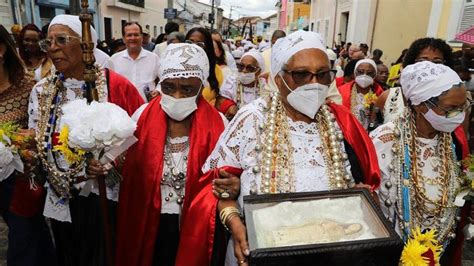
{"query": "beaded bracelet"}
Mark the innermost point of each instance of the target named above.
(227, 214)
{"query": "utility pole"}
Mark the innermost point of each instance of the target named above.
(74, 7)
(232, 8)
(212, 16)
(170, 5)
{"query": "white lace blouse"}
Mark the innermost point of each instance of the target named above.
(54, 207)
(383, 139)
(236, 148)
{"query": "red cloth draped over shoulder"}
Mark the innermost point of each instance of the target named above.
(123, 93)
(27, 202)
(346, 89)
(360, 141)
(140, 191)
(454, 251)
(197, 226)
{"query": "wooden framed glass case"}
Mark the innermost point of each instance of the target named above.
(344, 227)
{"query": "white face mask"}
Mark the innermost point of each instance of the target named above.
(307, 99)
(179, 109)
(364, 81)
(442, 123)
(246, 78)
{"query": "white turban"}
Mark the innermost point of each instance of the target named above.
(285, 48)
(183, 60)
(258, 56)
(424, 80)
(74, 23)
(366, 61)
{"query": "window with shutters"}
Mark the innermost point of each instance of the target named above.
(467, 19)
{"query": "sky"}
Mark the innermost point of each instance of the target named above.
(262, 8)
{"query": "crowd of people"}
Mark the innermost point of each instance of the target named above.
(218, 119)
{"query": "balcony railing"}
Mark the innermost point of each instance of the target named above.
(139, 3)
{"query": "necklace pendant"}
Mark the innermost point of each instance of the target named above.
(174, 171)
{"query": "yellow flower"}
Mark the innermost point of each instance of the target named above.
(369, 99)
(72, 156)
(472, 184)
(412, 254)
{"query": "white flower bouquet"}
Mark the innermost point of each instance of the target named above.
(10, 159)
(95, 126)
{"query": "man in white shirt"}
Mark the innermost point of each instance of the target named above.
(138, 65)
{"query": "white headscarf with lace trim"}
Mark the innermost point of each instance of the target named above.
(183, 60)
(425, 80)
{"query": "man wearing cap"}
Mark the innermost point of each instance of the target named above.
(147, 43)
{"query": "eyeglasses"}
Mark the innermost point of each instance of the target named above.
(360, 72)
(435, 61)
(249, 68)
(59, 40)
(301, 77)
(200, 44)
(453, 112)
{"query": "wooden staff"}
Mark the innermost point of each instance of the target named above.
(92, 95)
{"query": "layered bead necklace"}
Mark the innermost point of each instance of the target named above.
(240, 92)
(414, 208)
(275, 151)
(174, 173)
(51, 99)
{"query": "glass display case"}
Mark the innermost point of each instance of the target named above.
(343, 227)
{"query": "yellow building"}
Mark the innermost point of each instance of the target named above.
(298, 14)
(390, 25)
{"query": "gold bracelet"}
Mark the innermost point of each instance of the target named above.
(227, 214)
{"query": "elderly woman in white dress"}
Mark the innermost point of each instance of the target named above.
(294, 140)
(72, 208)
(419, 154)
(250, 86)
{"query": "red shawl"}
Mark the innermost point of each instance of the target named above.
(346, 89)
(27, 202)
(361, 143)
(454, 250)
(140, 191)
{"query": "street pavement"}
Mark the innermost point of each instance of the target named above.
(468, 254)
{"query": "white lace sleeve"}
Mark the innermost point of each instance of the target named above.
(33, 105)
(229, 86)
(238, 141)
(383, 139)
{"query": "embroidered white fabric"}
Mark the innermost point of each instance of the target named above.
(424, 80)
(394, 105)
(54, 208)
(236, 147)
(383, 140)
(182, 60)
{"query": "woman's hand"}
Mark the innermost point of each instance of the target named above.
(231, 112)
(227, 186)
(239, 237)
(95, 169)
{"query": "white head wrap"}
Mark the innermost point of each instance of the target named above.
(285, 48)
(258, 56)
(424, 80)
(74, 23)
(183, 60)
(366, 61)
(331, 54)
